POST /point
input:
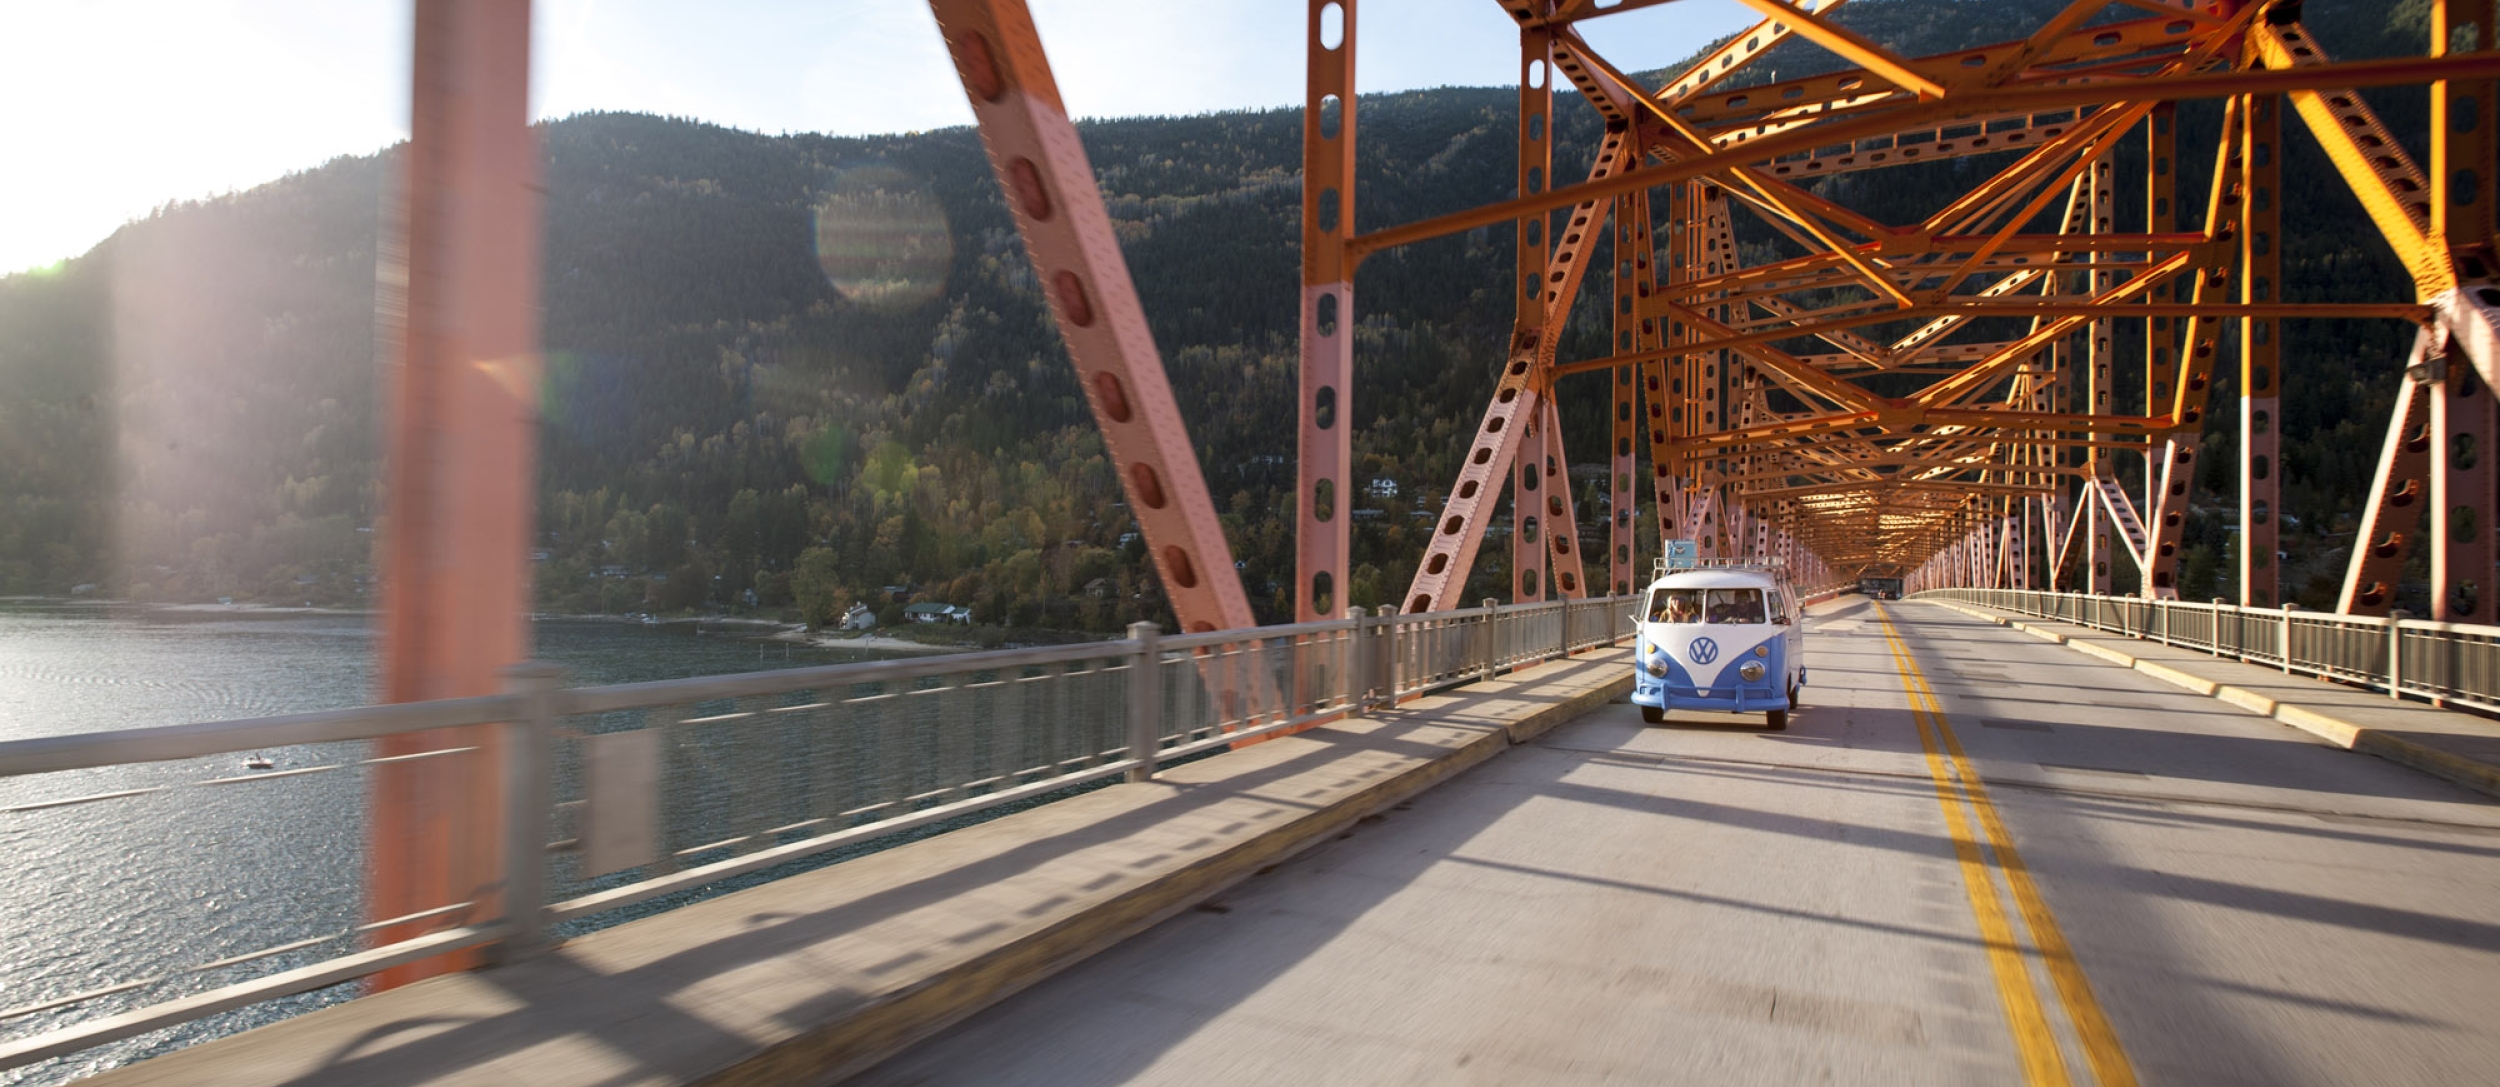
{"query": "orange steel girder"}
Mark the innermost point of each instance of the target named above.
(1049, 186)
(1526, 377)
(459, 310)
(1562, 519)
(2397, 500)
(1322, 542)
(1634, 250)
(2261, 273)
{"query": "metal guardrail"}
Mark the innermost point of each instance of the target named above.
(2455, 663)
(625, 794)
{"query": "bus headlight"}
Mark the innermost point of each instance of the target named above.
(1751, 670)
(1658, 667)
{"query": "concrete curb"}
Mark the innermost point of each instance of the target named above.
(2479, 776)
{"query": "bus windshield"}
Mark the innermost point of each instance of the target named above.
(1707, 606)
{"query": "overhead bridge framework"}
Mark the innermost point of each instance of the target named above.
(1943, 397)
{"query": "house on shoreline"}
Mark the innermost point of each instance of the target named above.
(938, 613)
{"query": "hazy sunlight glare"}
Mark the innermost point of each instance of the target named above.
(125, 105)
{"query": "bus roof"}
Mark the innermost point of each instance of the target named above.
(1716, 579)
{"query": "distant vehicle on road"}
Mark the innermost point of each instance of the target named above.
(1719, 638)
(1880, 588)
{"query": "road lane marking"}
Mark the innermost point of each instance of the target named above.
(2107, 1058)
(2034, 1042)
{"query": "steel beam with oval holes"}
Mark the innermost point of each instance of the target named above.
(1049, 185)
(2161, 215)
(2201, 343)
(1525, 377)
(1324, 501)
(2261, 271)
(2398, 496)
(1569, 576)
(1633, 277)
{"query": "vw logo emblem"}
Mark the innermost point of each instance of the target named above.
(1704, 650)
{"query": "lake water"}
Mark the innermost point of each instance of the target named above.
(96, 895)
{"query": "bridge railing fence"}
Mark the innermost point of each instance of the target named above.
(646, 794)
(2455, 663)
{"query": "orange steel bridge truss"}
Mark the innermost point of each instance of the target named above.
(1940, 398)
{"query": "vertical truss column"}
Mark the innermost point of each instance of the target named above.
(2261, 264)
(2463, 174)
(1536, 168)
(1633, 279)
(2161, 335)
(2461, 490)
(1716, 245)
(2464, 178)
(1326, 449)
(2100, 358)
(1665, 383)
(1049, 185)
(1562, 520)
(2187, 398)
(2022, 545)
(459, 315)
(1527, 495)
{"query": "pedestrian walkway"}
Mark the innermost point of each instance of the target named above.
(818, 975)
(2461, 747)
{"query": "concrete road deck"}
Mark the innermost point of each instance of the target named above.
(2222, 901)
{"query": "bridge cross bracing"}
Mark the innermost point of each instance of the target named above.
(1940, 395)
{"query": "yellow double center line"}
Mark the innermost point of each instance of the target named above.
(1959, 791)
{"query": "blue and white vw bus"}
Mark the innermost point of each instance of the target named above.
(1721, 638)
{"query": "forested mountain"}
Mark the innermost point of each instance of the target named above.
(807, 368)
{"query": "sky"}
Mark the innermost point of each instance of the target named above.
(112, 108)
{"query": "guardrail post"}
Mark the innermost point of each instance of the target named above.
(529, 781)
(2395, 652)
(2286, 647)
(1357, 667)
(1389, 660)
(1492, 637)
(1145, 700)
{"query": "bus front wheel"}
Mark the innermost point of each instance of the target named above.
(1778, 720)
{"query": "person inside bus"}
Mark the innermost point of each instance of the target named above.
(1676, 607)
(1736, 606)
